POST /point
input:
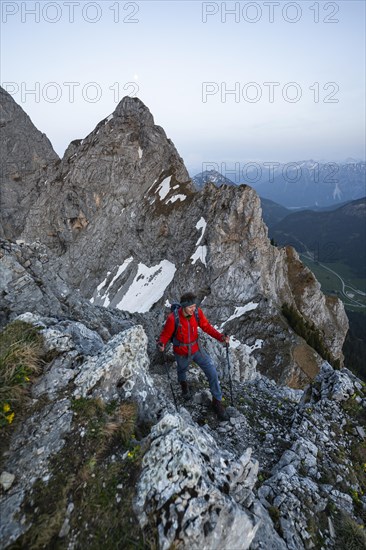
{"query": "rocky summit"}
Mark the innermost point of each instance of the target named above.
(99, 449)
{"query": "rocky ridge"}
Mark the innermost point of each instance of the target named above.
(101, 431)
(127, 228)
(285, 470)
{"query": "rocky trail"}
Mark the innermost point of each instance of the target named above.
(272, 473)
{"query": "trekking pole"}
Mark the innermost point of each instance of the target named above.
(170, 382)
(229, 367)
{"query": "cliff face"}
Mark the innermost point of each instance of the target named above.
(130, 231)
(26, 157)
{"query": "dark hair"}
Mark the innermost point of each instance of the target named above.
(188, 298)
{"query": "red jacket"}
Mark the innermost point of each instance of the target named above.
(187, 332)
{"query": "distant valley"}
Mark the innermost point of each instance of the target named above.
(333, 237)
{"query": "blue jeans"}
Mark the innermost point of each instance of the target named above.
(205, 362)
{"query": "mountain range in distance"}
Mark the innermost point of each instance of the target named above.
(273, 210)
(302, 184)
(328, 237)
(210, 176)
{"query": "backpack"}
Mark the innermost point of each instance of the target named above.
(174, 307)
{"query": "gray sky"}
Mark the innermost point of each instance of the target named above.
(228, 81)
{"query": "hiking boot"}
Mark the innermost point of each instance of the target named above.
(219, 409)
(186, 394)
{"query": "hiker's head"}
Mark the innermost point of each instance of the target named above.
(188, 299)
(188, 303)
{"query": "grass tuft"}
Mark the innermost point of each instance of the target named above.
(21, 348)
(350, 535)
(123, 423)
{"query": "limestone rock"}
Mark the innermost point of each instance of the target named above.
(27, 157)
(192, 490)
(109, 172)
(121, 371)
(69, 341)
(266, 535)
(42, 435)
(296, 488)
(37, 440)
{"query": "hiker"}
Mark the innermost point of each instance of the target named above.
(186, 348)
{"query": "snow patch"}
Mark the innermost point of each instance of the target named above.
(201, 251)
(234, 343)
(140, 151)
(164, 188)
(175, 198)
(109, 119)
(104, 295)
(201, 224)
(239, 311)
(257, 345)
(147, 287)
(200, 254)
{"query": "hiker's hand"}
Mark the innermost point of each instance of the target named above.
(226, 339)
(161, 346)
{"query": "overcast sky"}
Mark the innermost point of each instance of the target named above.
(228, 81)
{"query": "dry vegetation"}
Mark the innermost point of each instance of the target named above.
(21, 349)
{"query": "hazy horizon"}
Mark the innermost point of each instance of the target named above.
(228, 81)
